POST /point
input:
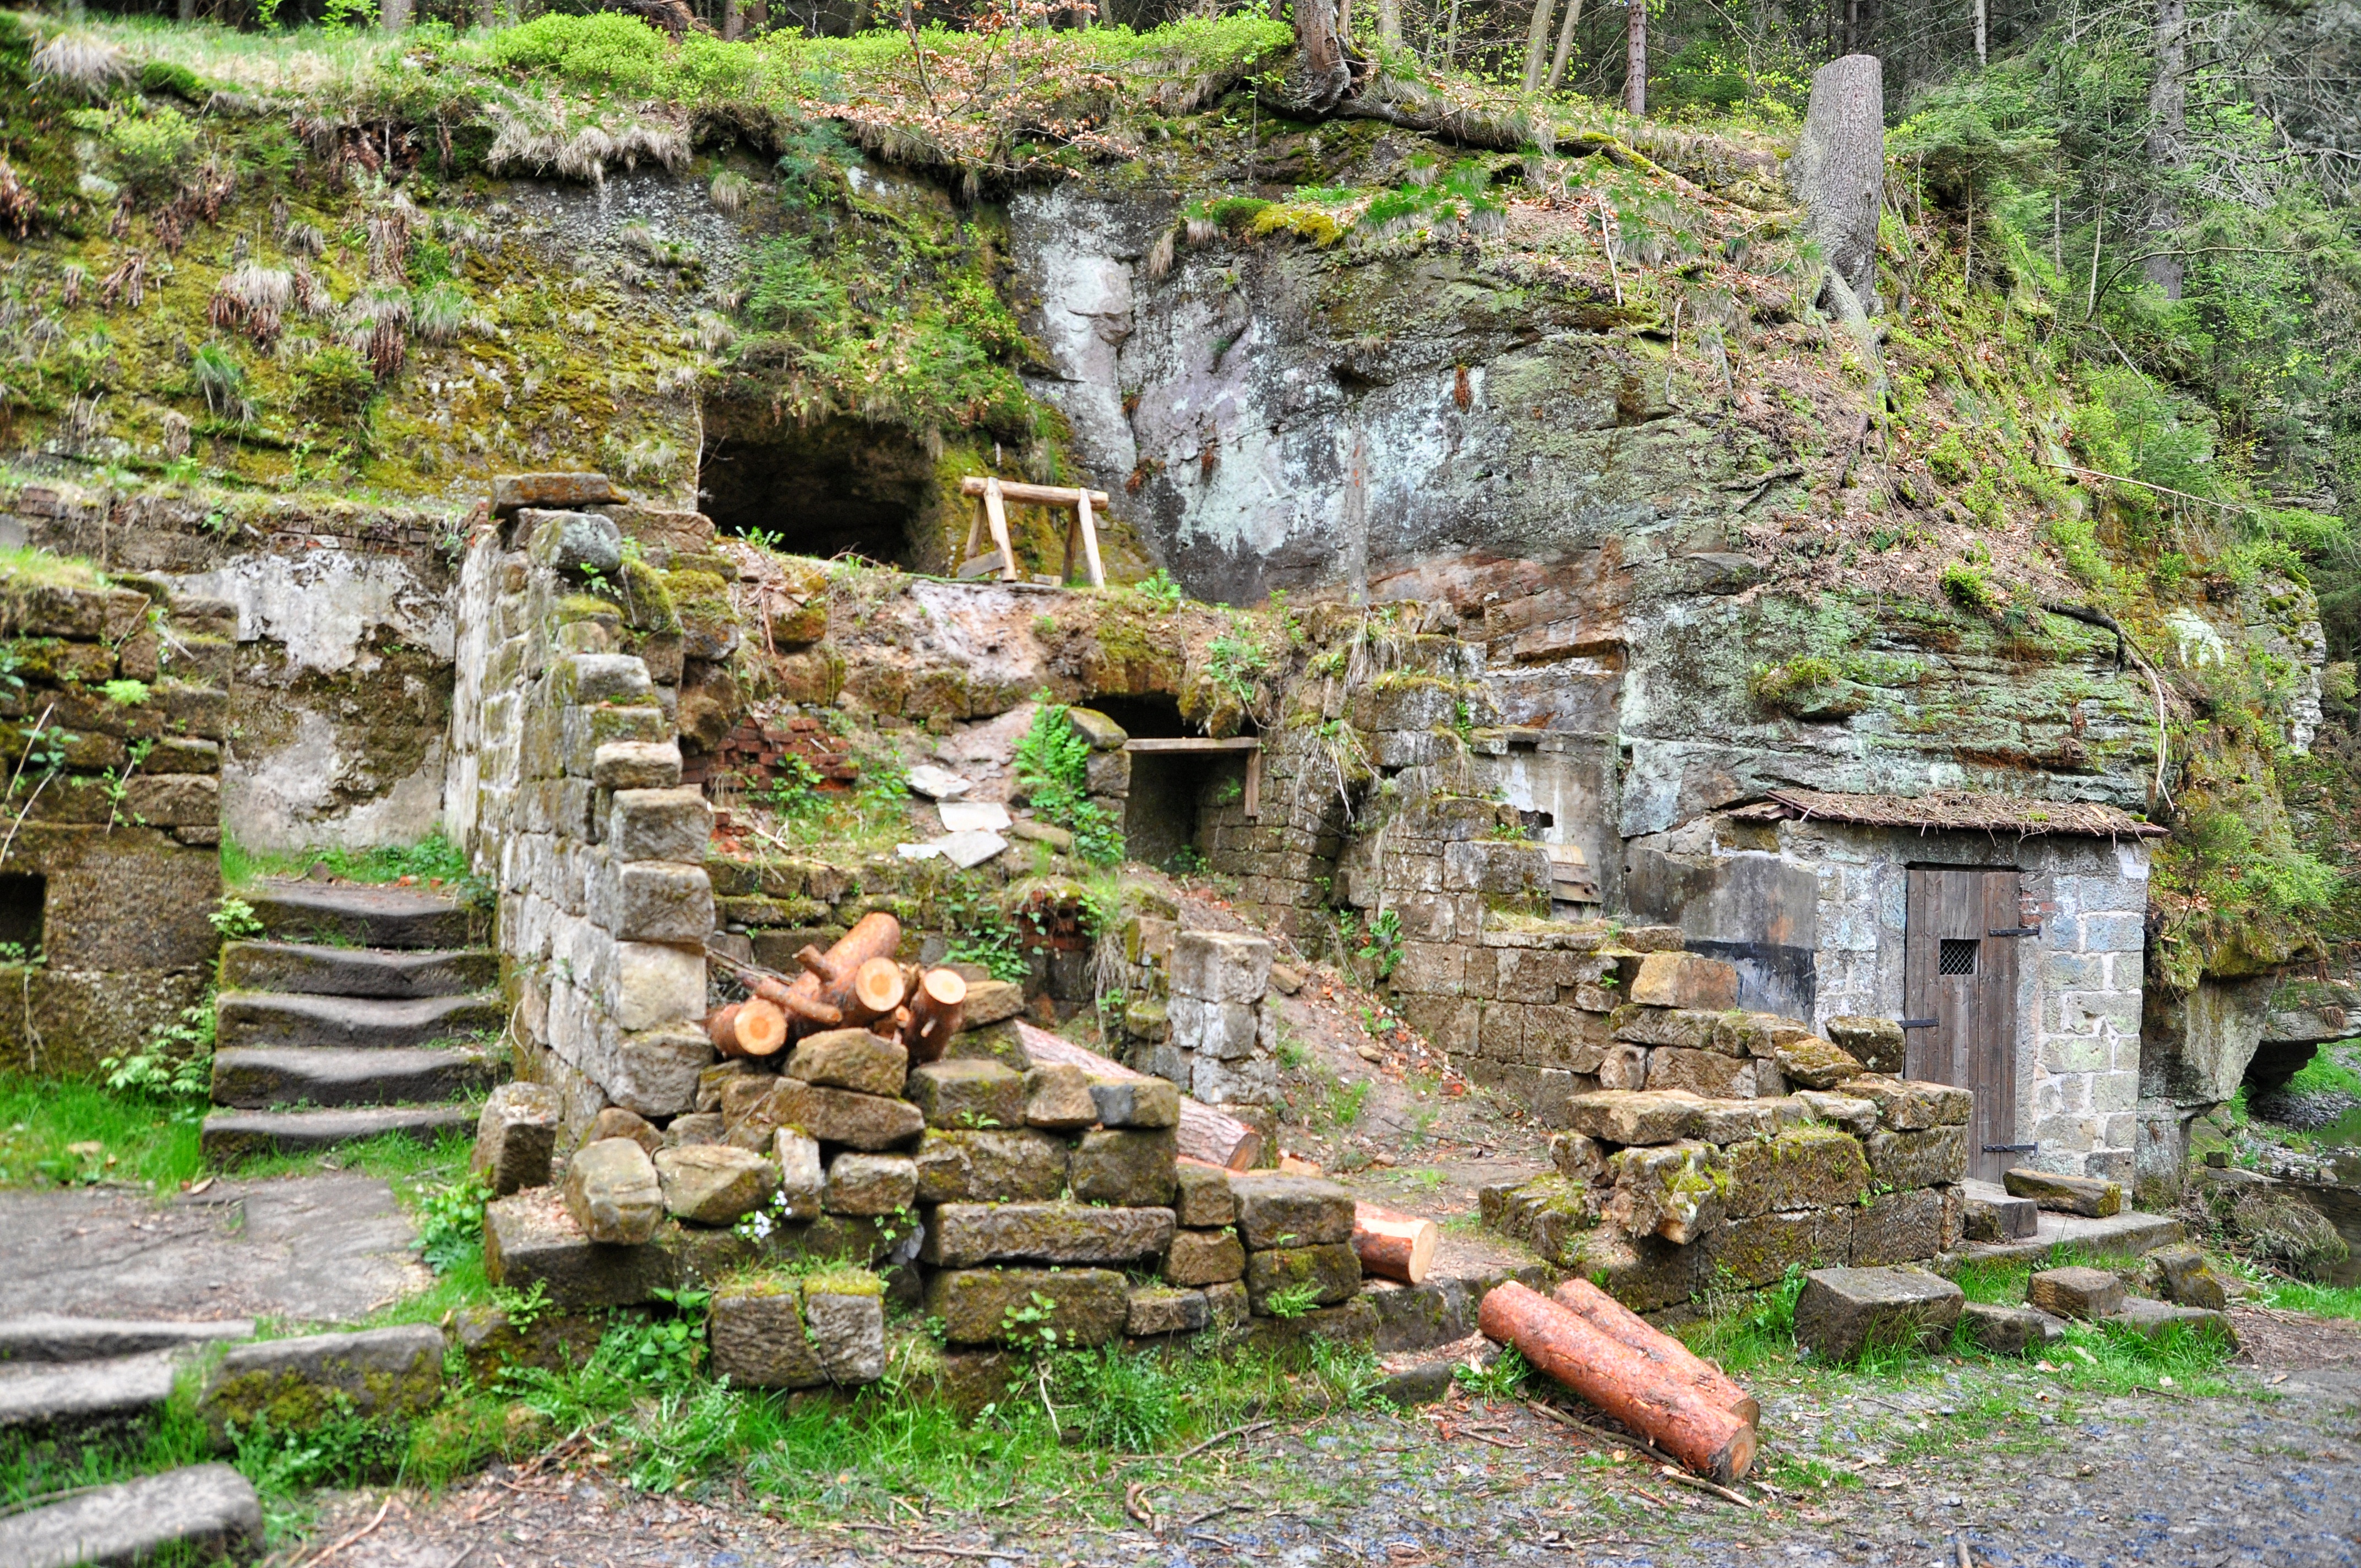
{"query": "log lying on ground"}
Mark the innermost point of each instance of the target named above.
(815, 1003)
(938, 1007)
(755, 1028)
(1636, 1391)
(1643, 1339)
(1205, 1133)
(1396, 1246)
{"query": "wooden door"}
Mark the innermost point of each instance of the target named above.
(1959, 972)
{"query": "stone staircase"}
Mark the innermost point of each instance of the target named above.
(358, 1013)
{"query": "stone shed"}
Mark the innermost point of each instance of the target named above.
(2006, 934)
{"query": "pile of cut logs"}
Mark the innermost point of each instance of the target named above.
(855, 984)
(1632, 1371)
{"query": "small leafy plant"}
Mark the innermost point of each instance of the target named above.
(235, 918)
(1293, 1301)
(451, 1223)
(1501, 1380)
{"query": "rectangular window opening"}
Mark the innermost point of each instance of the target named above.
(1956, 954)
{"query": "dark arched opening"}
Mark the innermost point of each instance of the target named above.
(837, 487)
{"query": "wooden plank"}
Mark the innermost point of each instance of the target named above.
(982, 567)
(1919, 971)
(1253, 784)
(1022, 494)
(997, 517)
(1994, 1068)
(1090, 540)
(974, 530)
(1195, 743)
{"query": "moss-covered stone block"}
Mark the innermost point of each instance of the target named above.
(297, 1384)
(1803, 1167)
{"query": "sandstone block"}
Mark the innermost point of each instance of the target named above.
(1733, 1121)
(1158, 1310)
(2009, 1331)
(803, 1186)
(1581, 1157)
(1814, 1063)
(1809, 1167)
(612, 1192)
(1760, 1249)
(1876, 1042)
(1332, 1271)
(1058, 1098)
(961, 1235)
(656, 1069)
(1910, 1105)
(713, 1184)
(660, 825)
(1644, 1273)
(1675, 1190)
(2187, 1278)
(2156, 1319)
(966, 1094)
(868, 1122)
(2086, 1195)
(851, 1058)
(1220, 965)
(1686, 980)
(636, 765)
(1137, 1101)
(1204, 1198)
(1205, 1257)
(516, 1138)
(871, 1184)
(1014, 1306)
(1129, 1168)
(757, 1338)
(989, 1166)
(2084, 1293)
(1097, 730)
(1292, 1211)
(1618, 1117)
(1843, 1311)
(657, 984)
(298, 1382)
(1623, 1068)
(1898, 1227)
(1855, 1115)
(658, 901)
(512, 492)
(1222, 1029)
(991, 1002)
(1225, 1306)
(531, 1239)
(1926, 1158)
(1991, 1214)
(696, 1127)
(1685, 1028)
(1708, 1073)
(844, 1316)
(1252, 1080)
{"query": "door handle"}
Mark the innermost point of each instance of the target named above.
(1917, 1023)
(2012, 1148)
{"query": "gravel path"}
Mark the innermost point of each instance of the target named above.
(1885, 1472)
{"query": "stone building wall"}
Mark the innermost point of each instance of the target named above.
(567, 790)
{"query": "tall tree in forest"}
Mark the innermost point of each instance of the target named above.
(1320, 78)
(2167, 128)
(1564, 43)
(1635, 56)
(1536, 43)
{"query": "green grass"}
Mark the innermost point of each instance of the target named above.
(432, 861)
(142, 1139)
(2320, 1300)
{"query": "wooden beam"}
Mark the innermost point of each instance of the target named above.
(1024, 494)
(1196, 744)
(998, 517)
(1254, 784)
(1090, 540)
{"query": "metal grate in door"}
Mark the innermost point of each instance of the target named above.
(1957, 956)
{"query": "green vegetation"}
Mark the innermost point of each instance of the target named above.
(1053, 768)
(432, 863)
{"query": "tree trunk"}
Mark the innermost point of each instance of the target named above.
(1390, 23)
(1537, 42)
(188, 11)
(862, 19)
(811, 1002)
(1670, 1413)
(1982, 58)
(750, 1028)
(730, 26)
(394, 15)
(937, 1008)
(1840, 169)
(1393, 1246)
(2167, 127)
(1564, 43)
(876, 990)
(1451, 36)
(1635, 56)
(1321, 77)
(1635, 1333)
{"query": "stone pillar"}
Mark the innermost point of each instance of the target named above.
(1221, 1049)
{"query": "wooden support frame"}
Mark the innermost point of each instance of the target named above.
(991, 495)
(1251, 745)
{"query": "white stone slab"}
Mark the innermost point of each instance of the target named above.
(965, 849)
(973, 816)
(938, 783)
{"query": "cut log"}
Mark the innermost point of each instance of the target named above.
(1398, 1246)
(875, 992)
(811, 1002)
(1669, 1412)
(1205, 1133)
(1635, 1333)
(816, 962)
(938, 1007)
(755, 1028)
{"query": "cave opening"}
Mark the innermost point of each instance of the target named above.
(835, 487)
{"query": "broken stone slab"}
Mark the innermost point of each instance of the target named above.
(613, 1193)
(1160, 1310)
(2089, 1196)
(298, 1383)
(81, 1396)
(1205, 1257)
(1843, 1311)
(1130, 1168)
(713, 1184)
(965, 850)
(1220, 965)
(1016, 1306)
(1674, 1191)
(516, 1138)
(870, 1122)
(958, 1166)
(1291, 1210)
(966, 1093)
(936, 783)
(1991, 1214)
(1058, 1099)
(195, 1514)
(851, 1058)
(1878, 1043)
(973, 816)
(2156, 1319)
(513, 492)
(531, 1239)
(2085, 1293)
(59, 1339)
(1331, 1271)
(1931, 1158)
(962, 1236)
(871, 1184)
(1623, 1117)
(1910, 1105)
(1686, 980)
(1814, 1063)
(1203, 1196)
(2187, 1279)
(2009, 1331)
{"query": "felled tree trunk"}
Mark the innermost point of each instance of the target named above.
(1214, 1137)
(1394, 1245)
(1643, 1339)
(1839, 171)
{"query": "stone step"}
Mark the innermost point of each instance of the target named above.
(84, 1396)
(54, 1339)
(369, 916)
(258, 1078)
(256, 1018)
(232, 1134)
(398, 974)
(200, 1514)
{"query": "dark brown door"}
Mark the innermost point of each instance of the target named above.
(1959, 974)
